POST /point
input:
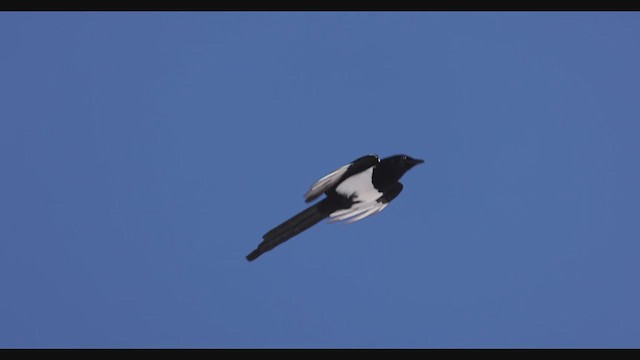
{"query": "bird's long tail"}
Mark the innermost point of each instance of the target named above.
(290, 228)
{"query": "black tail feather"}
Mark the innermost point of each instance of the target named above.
(289, 229)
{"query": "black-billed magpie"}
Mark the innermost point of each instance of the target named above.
(353, 192)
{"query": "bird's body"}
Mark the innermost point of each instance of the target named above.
(353, 192)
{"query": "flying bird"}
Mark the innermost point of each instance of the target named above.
(353, 192)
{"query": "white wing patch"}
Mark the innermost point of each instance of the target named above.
(358, 211)
(325, 183)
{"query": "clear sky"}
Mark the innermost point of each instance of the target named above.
(145, 154)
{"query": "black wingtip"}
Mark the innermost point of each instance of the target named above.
(254, 255)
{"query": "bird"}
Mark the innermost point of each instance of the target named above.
(352, 192)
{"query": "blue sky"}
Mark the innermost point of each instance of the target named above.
(144, 155)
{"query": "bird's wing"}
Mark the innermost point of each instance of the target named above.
(358, 211)
(361, 210)
(332, 179)
(325, 184)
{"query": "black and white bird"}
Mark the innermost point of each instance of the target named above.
(353, 192)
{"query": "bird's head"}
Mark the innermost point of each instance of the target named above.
(402, 163)
(410, 162)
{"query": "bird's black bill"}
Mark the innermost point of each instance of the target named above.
(415, 161)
